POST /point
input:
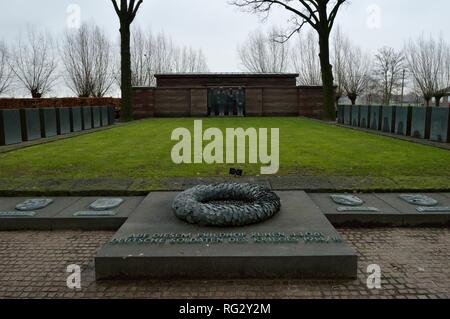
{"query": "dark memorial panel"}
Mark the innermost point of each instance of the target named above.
(63, 120)
(364, 116)
(386, 119)
(48, 122)
(96, 120)
(347, 114)
(111, 115)
(375, 117)
(340, 114)
(401, 120)
(87, 117)
(104, 116)
(355, 115)
(419, 115)
(76, 119)
(10, 127)
(440, 118)
(31, 124)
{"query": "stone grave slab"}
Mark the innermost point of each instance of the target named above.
(96, 117)
(375, 113)
(411, 215)
(41, 219)
(111, 115)
(104, 116)
(418, 123)
(347, 114)
(10, 127)
(31, 124)
(63, 120)
(440, 121)
(387, 117)
(374, 211)
(87, 117)
(76, 119)
(81, 216)
(364, 116)
(401, 120)
(356, 109)
(49, 126)
(297, 242)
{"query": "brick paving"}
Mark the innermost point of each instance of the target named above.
(415, 265)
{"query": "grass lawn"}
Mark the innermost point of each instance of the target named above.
(142, 150)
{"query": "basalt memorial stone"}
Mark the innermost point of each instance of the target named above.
(76, 119)
(31, 124)
(104, 116)
(347, 200)
(347, 114)
(364, 116)
(387, 117)
(419, 200)
(356, 111)
(10, 127)
(87, 117)
(33, 204)
(96, 117)
(375, 114)
(105, 204)
(440, 125)
(418, 122)
(401, 120)
(48, 122)
(63, 120)
(340, 114)
(111, 115)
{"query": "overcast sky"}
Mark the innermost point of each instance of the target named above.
(218, 28)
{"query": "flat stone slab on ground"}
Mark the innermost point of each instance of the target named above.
(387, 215)
(165, 247)
(89, 219)
(42, 219)
(411, 217)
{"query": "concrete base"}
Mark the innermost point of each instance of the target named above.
(246, 259)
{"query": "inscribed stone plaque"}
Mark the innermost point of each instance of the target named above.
(105, 213)
(76, 119)
(48, 122)
(96, 117)
(87, 117)
(10, 127)
(347, 114)
(17, 214)
(386, 118)
(401, 120)
(31, 124)
(357, 209)
(419, 200)
(355, 115)
(364, 117)
(433, 209)
(63, 120)
(34, 204)
(106, 204)
(104, 116)
(375, 117)
(419, 115)
(347, 200)
(440, 124)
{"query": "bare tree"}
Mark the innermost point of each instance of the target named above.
(261, 53)
(126, 13)
(306, 60)
(428, 62)
(320, 15)
(5, 68)
(388, 67)
(341, 46)
(87, 57)
(141, 55)
(34, 63)
(356, 76)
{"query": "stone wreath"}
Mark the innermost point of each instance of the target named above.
(226, 205)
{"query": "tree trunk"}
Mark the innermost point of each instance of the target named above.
(126, 113)
(327, 78)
